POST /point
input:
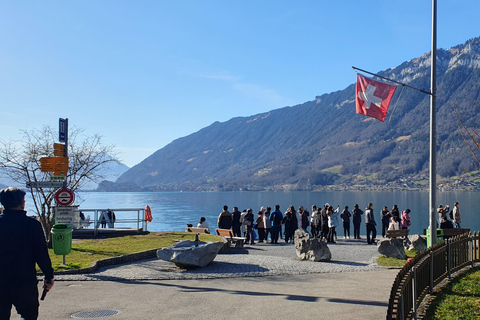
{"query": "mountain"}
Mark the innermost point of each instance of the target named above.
(323, 142)
(112, 171)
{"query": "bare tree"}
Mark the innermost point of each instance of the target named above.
(21, 162)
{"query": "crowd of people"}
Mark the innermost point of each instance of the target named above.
(322, 222)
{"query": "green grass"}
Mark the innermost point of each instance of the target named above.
(394, 262)
(85, 252)
(460, 299)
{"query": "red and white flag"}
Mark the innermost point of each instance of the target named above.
(373, 98)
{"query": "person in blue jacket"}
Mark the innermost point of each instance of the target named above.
(276, 217)
(22, 245)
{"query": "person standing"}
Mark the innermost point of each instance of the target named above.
(332, 224)
(405, 222)
(260, 225)
(276, 217)
(313, 216)
(291, 223)
(248, 222)
(304, 218)
(385, 218)
(442, 213)
(324, 222)
(371, 224)
(225, 219)
(357, 220)
(268, 223)
(395, 212)
(236, 224)
(345, 216)
(22, 245)
(457, 219)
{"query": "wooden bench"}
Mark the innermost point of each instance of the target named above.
(228, 235)
(402, 233)
(197, 230)
(452, 232)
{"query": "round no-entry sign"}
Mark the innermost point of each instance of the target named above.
(64, 197)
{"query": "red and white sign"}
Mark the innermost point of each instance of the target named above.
(64, 197)
(373, 98)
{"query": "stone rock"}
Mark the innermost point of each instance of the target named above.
(186, 254)
(392, 248)
(312, 249)
(417, 242)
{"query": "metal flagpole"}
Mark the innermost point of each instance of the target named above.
(433, 140)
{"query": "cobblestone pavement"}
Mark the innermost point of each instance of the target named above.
(256, 260)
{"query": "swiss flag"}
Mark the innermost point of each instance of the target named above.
(373, 98)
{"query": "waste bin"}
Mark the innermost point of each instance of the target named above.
(62, 239)
(439, 237)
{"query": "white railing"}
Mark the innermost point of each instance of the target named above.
(124, 218)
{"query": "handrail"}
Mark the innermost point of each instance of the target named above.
(139, 220)
(427, 269)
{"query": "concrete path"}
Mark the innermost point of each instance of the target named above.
(260, 282)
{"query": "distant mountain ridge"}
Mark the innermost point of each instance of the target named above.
(323, 142)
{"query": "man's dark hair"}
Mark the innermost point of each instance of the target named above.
(12, 197)
(225, 208)
(277, 206)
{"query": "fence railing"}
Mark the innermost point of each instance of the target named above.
(427, 269)
(135, 217)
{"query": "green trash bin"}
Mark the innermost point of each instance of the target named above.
(439, 237)
(62, 239)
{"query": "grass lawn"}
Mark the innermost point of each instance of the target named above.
(460, 299)
(86, 252)
(394, 262)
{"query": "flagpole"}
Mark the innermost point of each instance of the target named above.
(433, 160)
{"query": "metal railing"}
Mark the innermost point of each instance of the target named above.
(426, 270)
(121, 221)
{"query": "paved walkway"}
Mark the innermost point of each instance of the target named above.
(263, 281)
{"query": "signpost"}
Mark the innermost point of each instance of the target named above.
(63, 130)
(64, 197)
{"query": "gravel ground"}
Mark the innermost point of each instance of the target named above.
(256, 260)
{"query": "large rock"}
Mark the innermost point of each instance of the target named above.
(186, 254)
(311, 249)
(392, 248)
(417, 242)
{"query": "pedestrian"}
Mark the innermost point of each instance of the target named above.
(345, 216)
(248, 222)
(442, 213)
(225, 219)
(242, 220)
(385, 218)
(405, 222)
(112, 218)
(313, 216)
(304, 218)
(260, 225)
(22, 245)
(395, 212)
(457, 219)
(276, 217)
(291, 223)
(236, 224)
(268, 223)
(357, 220)
(324, 221)
(332, 224)
(371, 224)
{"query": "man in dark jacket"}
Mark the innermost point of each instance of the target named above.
(324, 222)
(357, 219)
(276, 217)
(22, 244)
(225, 219)
(236, 222)
(371, 224)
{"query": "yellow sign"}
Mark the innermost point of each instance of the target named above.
(54, 164)
(58, 149)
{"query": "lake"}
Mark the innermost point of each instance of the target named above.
(173, 210)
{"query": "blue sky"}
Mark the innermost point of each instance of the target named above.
(144, 73)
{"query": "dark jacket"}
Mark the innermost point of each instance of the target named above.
(370, 217)
(225, 220)
(385, 217)
(22, 244)
(357, 215)
(236, 218)
(345, 215)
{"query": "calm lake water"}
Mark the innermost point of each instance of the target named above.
(173, 210)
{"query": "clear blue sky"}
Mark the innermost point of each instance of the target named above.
(143, 73)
